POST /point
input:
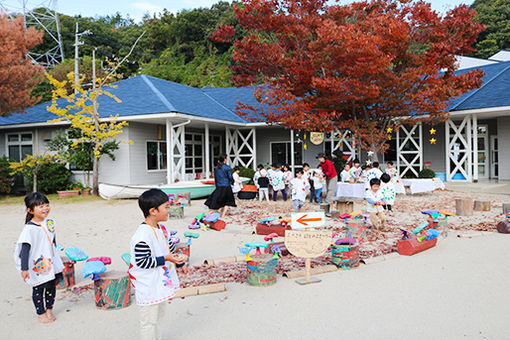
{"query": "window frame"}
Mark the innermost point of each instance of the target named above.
(19, 143)
(287, 151)
(158, 142)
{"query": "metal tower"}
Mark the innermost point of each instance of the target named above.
(43, 16)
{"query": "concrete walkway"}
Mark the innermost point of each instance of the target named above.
(492, 187)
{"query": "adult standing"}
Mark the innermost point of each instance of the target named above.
(222, 197)
(330, 175)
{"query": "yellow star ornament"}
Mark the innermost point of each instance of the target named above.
(389, 130)
(432, 131)
(432, 141)
(389, 137)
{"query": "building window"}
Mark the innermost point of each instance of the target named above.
(19, 145)
(280, 153)
(156, 155)
(194, 145)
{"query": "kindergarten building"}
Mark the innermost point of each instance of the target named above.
(177, 131)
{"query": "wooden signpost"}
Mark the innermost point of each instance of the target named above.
(307, 243)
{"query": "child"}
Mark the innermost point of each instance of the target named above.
(390, 170)
(366, 169)
(375, 204)
(154, 280)
(345, 175)
(256, 176)
(270, 174)
(318, 183)
(238, 184)
(263, 185)
(307, 175)
(287, 177)
(387, 191)
(278, 183)
(36, 256)
(299, 187)
(355, 171)
(375, 172)
(306, 171)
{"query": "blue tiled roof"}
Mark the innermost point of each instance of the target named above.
(140, 95)
(494, 91)
(145, 95)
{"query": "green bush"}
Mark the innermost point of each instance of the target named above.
(427, 173)
(247, 172)
(51, 178)
(6, 180)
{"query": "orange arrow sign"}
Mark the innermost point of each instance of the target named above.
(303, 220)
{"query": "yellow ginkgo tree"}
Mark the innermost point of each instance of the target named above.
(80, 109)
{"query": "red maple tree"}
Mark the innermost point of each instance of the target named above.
(18, 75)
(364, 67)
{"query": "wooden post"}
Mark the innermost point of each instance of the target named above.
(506, 208)
(464, 207)
(113, 290)
(308, 266)
(482, 205)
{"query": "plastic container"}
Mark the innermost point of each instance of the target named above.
(345, 256)
(261, 271)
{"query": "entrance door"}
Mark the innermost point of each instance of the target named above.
(494, 157)
(483, 151)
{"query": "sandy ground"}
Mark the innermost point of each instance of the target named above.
(457, 290)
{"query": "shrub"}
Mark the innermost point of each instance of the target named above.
(6, 179)
(51, 178)
(247, 172)
(427, 173)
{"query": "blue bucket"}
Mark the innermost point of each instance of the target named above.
(459, 177)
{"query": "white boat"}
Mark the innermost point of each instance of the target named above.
(197, 189)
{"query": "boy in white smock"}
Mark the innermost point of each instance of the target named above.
(387, 192)
(152, 269)
(375, 204)
(299, 188)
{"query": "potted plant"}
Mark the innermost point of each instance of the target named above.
(73, 189)
(86, 191)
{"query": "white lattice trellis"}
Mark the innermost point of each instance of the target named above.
(344, 141)
(410, 149)
(241, 147)
(176, 152)
(459, 156)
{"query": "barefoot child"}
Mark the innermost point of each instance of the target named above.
(299, 188)
(318, 183)
(36, 255)
(375, 204)
(152, 269)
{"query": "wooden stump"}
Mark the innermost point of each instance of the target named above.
(325, 207)
(345, 207)
(112, 290)
(503, 227)
(464, 207)
(68, 279)
(482, 205)
(506, 208)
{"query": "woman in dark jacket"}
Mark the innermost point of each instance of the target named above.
(222, 197)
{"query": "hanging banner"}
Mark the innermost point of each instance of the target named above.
(316, 137)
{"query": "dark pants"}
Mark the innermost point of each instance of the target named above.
(275, 194)
(387, 207)
(312, 195)
(44, 293)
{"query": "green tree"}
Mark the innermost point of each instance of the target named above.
(495, 15)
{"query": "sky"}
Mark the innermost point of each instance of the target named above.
(137, 8)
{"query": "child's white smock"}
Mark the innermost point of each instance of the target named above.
(43, 260)
(152, 285)
(375, 197)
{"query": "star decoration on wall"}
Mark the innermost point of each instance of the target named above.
(389, 130)
(432, 131)
(389, 137)
(370, 153)
(369, 162)
(432, 141)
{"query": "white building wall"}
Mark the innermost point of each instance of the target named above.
(140, 133)
(504, 147)
(116, 172)
(3, 148)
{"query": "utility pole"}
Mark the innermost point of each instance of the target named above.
(77, 43)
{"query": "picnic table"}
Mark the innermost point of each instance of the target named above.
(418, 185)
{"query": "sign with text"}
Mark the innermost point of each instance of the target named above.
(307, 243)
(308, 220)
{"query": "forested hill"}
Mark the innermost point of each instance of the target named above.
(175, 47)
